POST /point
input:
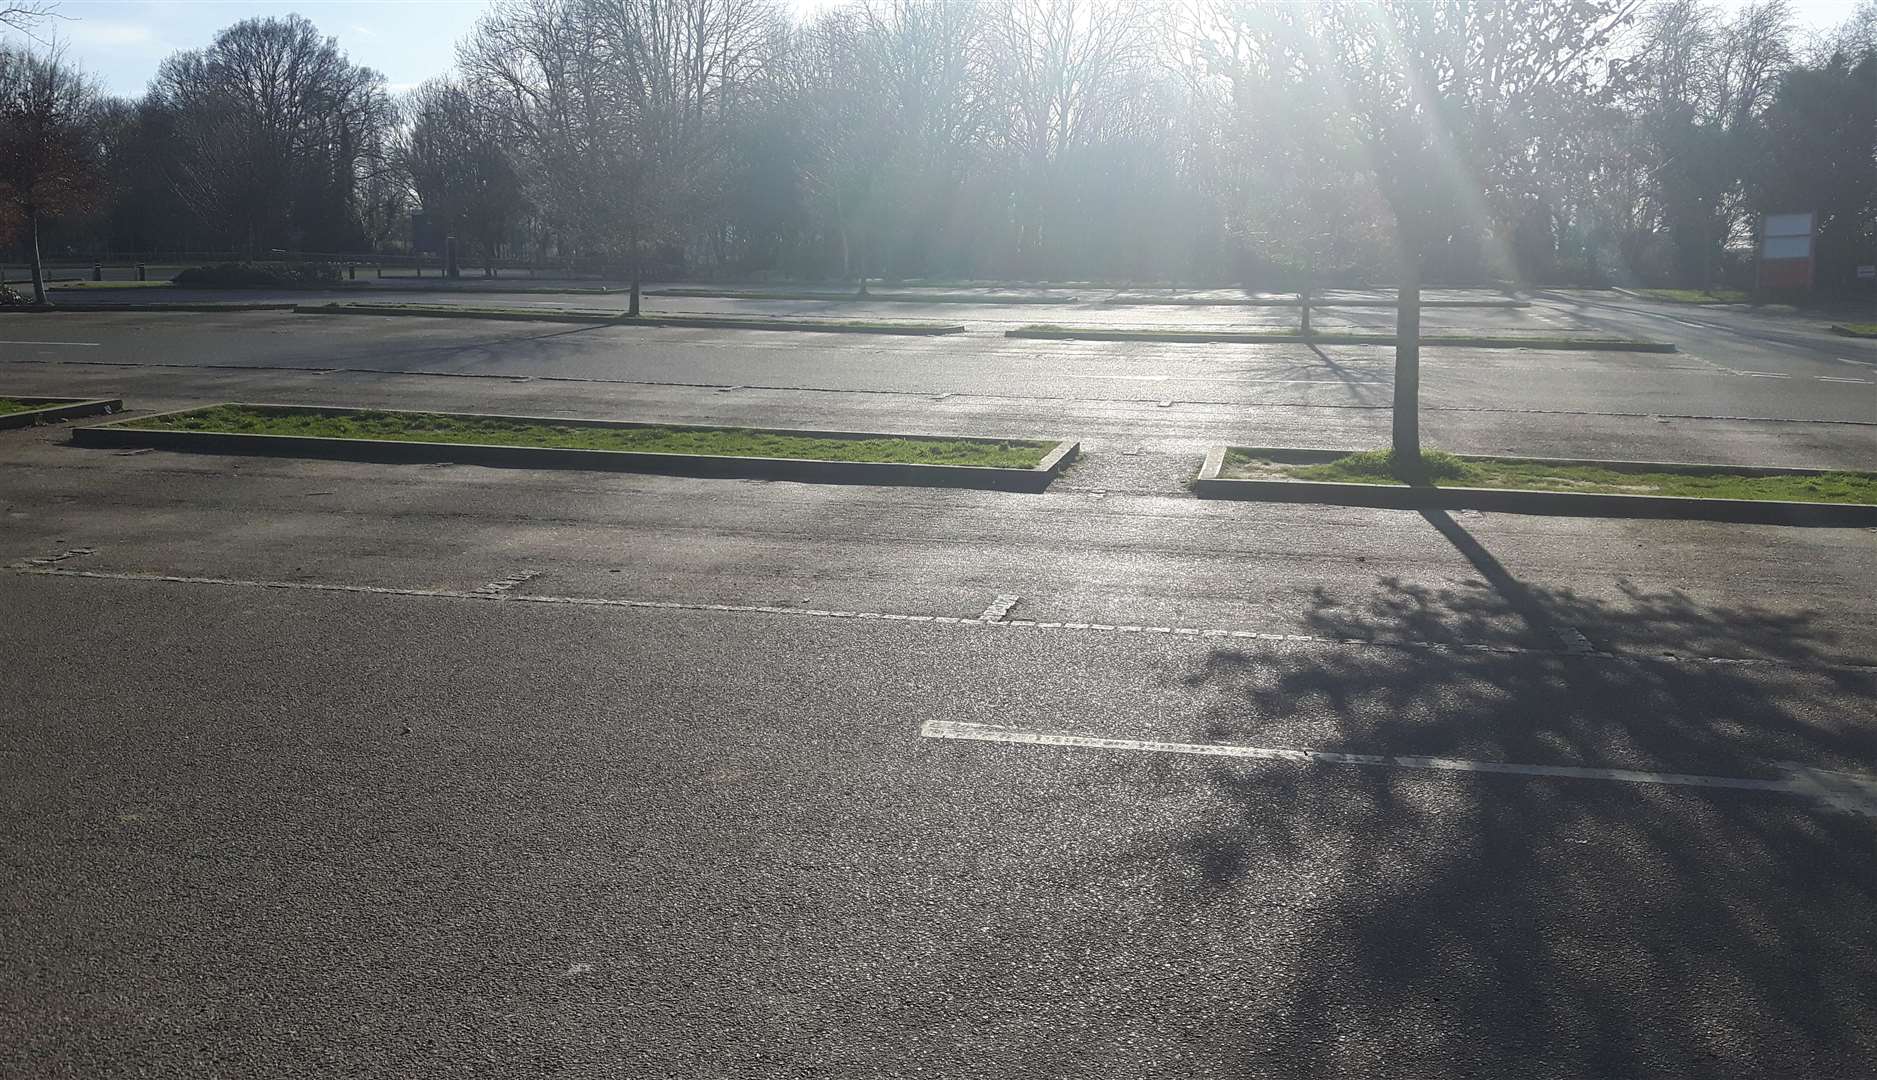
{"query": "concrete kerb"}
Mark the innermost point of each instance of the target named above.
(1288, 302)
(804, 470)
(1212, 484)
(52, 408)
(616, 318)
(161, 305)
(1239, 337)
(1634, 294)
(870, 298)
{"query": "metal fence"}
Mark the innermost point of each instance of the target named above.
(163, 266)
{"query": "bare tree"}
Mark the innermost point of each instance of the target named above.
(23, 15)
(1443, 94)
(451, 150)
(275, 130)
(623, 107)
(535, 67)
(1072, 75)
(48, 159)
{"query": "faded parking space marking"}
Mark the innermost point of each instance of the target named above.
(1840, 791)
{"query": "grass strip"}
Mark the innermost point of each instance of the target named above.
(1694, 296)
(1449, 470)
(1273, 337)
(877, 297)
(618, 318)
(9, 405)
(572, 435)
(1291, 302)
(1855, 329)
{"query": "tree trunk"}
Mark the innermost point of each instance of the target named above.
(632, 307)
(39, 266)
(1407, 414)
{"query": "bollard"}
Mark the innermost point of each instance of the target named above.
(381, 269)
(142, 273)
(351, 271)
(97, 272)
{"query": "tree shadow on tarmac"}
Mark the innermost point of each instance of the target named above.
(1514, 926)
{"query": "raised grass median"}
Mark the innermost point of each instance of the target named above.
(619, 318)
(1223, 335)
(18, 412)
(554, 442)
(1542, 485)
(887, 297)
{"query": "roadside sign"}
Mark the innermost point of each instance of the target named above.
(1786, 251)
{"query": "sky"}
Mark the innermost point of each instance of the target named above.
(122, 41)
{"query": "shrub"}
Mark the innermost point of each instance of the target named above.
(11, 298)
(260, 275)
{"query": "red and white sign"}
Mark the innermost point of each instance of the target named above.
(1786, 251)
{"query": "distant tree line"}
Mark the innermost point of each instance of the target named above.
(1197, 140)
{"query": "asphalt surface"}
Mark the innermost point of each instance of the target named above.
(328, 768)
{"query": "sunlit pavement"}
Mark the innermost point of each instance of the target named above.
(340, 769)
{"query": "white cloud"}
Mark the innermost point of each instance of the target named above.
(364, 31)
(109, 33)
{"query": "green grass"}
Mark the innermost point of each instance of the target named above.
(1855, 329)
(620, 318)
(1694, 296)
(497, 431)
(1254, 336)
(853, 295)
(1449, 470)
(1292, 301)
(8, 405)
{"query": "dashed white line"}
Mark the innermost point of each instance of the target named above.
(1842, 791)
(999, 609)
(81, 344)
(501, 586)
(1765, 375)
(1014, 625)
(1828, 378)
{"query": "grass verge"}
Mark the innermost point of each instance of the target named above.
(1694, 296)
(616, 318)
(1292, 302)
(573, 435)
(1273, 337)
(872, 297)
(9, 405)
(1855, 329)
(1449, 470)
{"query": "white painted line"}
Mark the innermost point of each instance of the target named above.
(1574, 639)
(501, 586)
(1843, 791)
(1764, 375)
(1861, 363)
(69, 553)
(1000, 608)
(85, 344)
(1014, 625)
(1856, 382)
